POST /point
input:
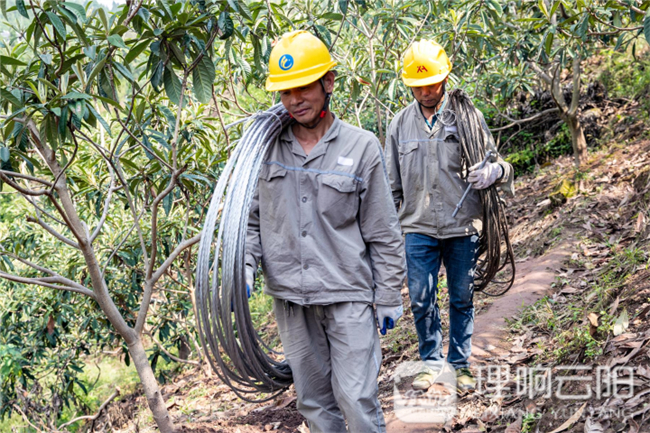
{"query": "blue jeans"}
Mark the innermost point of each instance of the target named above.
(424, 255)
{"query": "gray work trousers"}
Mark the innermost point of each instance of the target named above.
(334, 354)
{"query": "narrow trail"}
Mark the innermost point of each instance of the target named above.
(489, 342)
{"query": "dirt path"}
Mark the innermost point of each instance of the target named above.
(533, 281)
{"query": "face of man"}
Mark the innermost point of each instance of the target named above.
(429, 96)
(306, 103)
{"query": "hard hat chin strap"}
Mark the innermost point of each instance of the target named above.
(323, 112)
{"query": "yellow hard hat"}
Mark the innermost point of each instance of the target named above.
(298, 59)
(425, 63)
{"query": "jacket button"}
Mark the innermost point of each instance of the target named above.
(304, 199)
(305, 267)
(304, 234)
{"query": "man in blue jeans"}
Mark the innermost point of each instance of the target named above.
(423, 159)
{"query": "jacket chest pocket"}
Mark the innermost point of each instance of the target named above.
(452, 149)
(338, 199)
(272, 196)
(410, 160)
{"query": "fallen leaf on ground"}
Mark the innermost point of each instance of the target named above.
(280, 404)
(612, 310)
(515, 427)
(640, 223)
(593, 426)
(575, 417)
(622, 323)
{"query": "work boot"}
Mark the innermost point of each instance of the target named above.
(465, 381)
(425, 379)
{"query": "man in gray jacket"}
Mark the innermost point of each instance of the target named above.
(423, 157)
(324, 228)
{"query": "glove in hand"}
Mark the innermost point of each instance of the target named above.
(481, 178)
(387, 316)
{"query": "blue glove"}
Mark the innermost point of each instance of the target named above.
(387, 316)
(248, 293)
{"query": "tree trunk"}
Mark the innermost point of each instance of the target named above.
(150, 385)
(577, 138)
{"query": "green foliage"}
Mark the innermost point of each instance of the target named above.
(627, 78)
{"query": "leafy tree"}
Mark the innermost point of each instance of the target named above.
(544, 38)
(103, 140)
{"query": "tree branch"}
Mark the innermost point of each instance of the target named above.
(27, 419)
(179, 249)
(575, 98)
(166, 352)
(49, 283)
(24, 191)
(107, 203)
(529, 119)
(51, 230)
(94, 417)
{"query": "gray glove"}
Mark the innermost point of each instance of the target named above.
(481, 178)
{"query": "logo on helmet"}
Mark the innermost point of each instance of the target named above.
(286, 62)
(422, 69)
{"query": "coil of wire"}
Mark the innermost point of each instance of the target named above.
(495, 270)
(230, 341)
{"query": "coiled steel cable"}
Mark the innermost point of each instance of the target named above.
(234, 349)
(495, 251)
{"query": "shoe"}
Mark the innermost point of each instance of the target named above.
(465, 381)
(425, 379)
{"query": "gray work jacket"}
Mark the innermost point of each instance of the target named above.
(425, 173)
(324, 226)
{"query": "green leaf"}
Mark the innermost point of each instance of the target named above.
(78, 95)
(202, 78)
(542, 7)
(109, 101)
(76, 9)
(555, 6)
(226, 25)
(496, 7)
(4, 154)
(332, 16)
(233, 4)
(100, 118)
(3, 8)
(124, 71)
(646, 26)
(98, 67)
(343, 5)
(4, 60)
(10, 97)
(173, 85)
(136, 51)
(104, 19)
(20, 5)
(548, 42)
(157, 75)
(116, 41)
(58, 25)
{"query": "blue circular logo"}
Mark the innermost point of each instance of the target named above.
(286, 62)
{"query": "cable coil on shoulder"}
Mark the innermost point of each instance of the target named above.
(496, 256)
(234, 349)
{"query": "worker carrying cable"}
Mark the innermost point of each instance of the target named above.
(429, 172)
(324, 228)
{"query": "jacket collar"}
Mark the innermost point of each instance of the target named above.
(321, 147)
